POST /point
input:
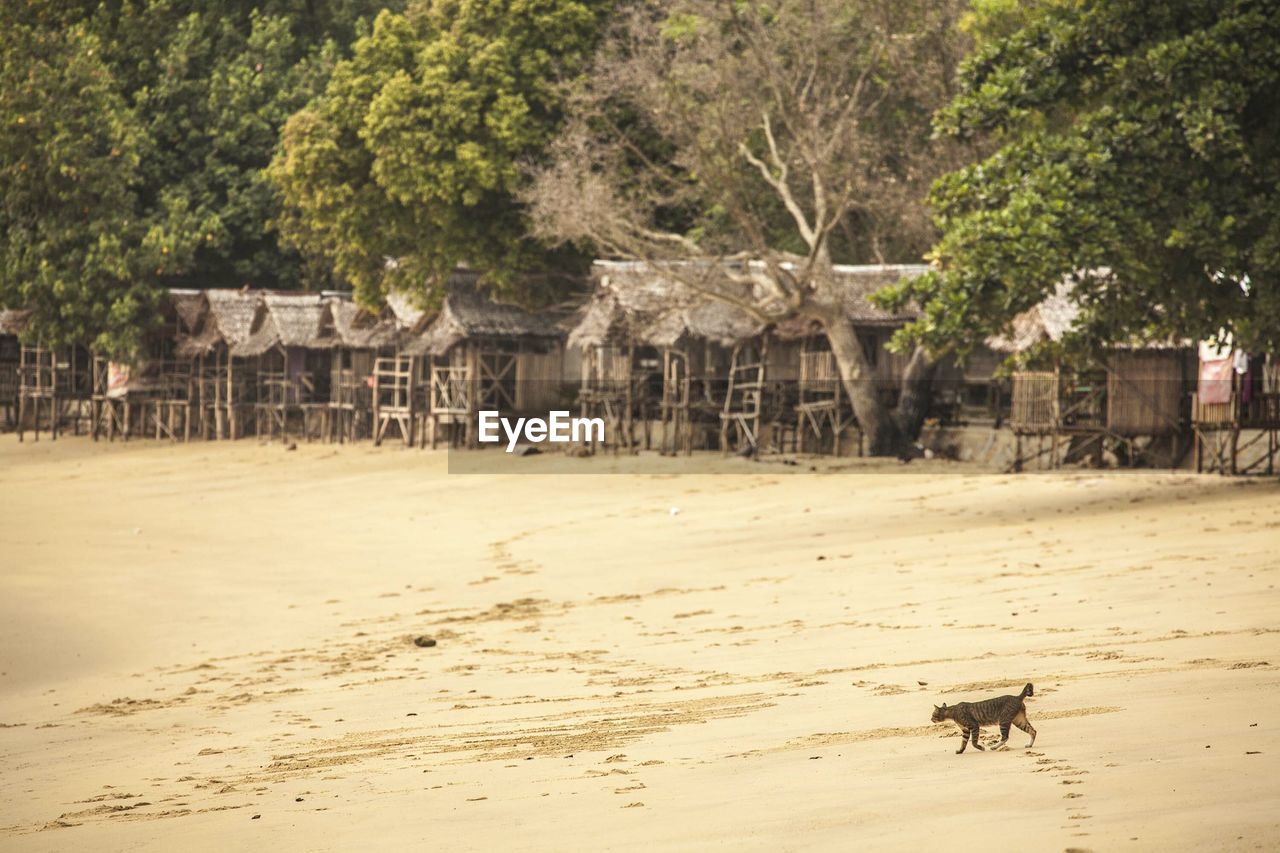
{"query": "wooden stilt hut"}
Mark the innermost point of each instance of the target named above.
(1087, 398)
(366, 339)
(713, 377)
(720, 376)
(157, 390)
(53, 388)
(814, 410)
(290, 354)
(231, 315)
(615, 378)
(654, 351)
(203, 346)
(1235, 410)
(478, 353)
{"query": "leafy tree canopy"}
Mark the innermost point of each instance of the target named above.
(73, 247)
(134, 144)
(409, 162)
(1139, 138)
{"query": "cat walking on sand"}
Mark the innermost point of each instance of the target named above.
(1003, 711)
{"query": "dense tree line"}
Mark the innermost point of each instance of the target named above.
(133, 149)
(376, 145)
(1135, 138)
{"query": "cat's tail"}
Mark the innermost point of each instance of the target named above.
(1029, 690)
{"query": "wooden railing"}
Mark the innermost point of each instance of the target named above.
(818, 372)
(393, 382)
(280, 389)
(450, 387)
(1261, 411)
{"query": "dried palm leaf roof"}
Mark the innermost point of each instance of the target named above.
(194, 329)
(297, 319)
(188, 307)
(656, 306)
(406, 313)
(13, 321)
(359, 328)
(854, 285)
(467, 312)
(650, 305)
(287, 320)
(1047, 321)
(233, 312)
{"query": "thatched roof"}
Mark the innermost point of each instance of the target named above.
(854, 285)
(406, 314)
(637, 302)
(287, 320)
(466, 312)
(263, 335)
(1048, 321)
(233, 312)
(297, 319)
(1058, 315)
(13, 321)
(188, 307)
(201, 342)
(196, 331)
(361, 329)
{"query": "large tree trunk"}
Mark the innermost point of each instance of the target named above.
(884, 437)
(917, 392)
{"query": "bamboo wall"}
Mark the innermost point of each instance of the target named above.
(538, 378)
(1145, 392)
(1034, 408)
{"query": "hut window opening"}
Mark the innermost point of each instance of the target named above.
(870, 347)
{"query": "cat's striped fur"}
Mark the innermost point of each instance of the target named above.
(1003, 711)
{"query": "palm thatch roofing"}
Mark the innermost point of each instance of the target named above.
(854, 285)
(297, 318)
(232, 312)
(358, 328)
(287, 320)
(646, 304)
(654, 306)
(1058, 316)
(1045, 322)
(187, 307)
(196, 331)
(13, 321)
(467, 312)
(406, 314)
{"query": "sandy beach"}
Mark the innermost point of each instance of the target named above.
(211, 647)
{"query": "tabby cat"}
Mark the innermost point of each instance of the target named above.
(1002, 710)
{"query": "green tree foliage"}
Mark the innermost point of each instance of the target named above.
(74, 247)
(192, 97)
(1139, 138)
(409, 162)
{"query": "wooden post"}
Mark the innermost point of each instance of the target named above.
(22, 386)
(472, 357)
(219, 413)
(53, 395)
(407, 365)
(231, 421)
